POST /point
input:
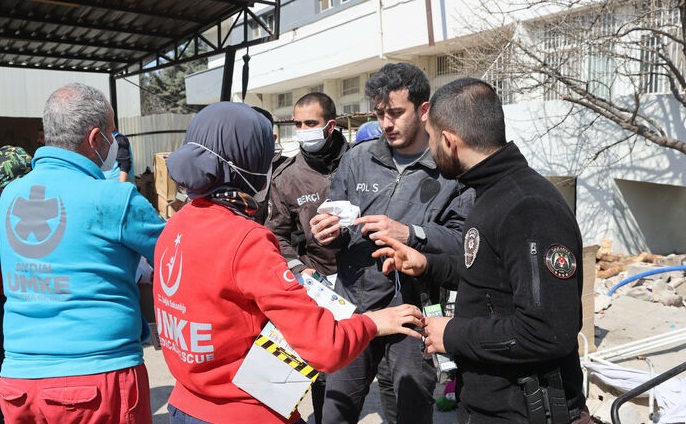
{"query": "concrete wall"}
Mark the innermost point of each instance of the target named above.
(625, 212)
(23, 92)
(654, 216)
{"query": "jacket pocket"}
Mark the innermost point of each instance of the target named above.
(535, 275)
(499, 346)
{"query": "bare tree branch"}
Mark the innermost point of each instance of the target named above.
(610, 57)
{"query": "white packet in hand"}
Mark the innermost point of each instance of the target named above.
(346, 211)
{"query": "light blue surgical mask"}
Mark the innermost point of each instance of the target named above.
(109, 161)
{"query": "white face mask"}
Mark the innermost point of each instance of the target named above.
(311, 140)
(108, 163)
(260, 195)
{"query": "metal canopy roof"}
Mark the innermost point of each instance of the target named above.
(124, 37)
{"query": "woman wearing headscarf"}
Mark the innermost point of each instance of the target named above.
(220, 277)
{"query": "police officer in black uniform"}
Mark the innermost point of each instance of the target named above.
(518, 274)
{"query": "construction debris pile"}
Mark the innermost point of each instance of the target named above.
(640, 332)
(649, 277)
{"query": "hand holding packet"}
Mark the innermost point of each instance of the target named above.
(346, 211)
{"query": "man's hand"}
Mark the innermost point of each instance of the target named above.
(376, 226)
(325, 228)
(397, 320)
(433, 334)
(400, 257)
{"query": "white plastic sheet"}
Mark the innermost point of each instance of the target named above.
(670, 395)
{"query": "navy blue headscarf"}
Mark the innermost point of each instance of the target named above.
(236, 133)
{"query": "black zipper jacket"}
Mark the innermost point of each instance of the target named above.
(519, 274)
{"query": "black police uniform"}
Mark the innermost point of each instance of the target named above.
(518, 309)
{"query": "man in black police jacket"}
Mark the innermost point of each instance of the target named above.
(518, 273)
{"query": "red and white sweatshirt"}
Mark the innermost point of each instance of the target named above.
(219, 278)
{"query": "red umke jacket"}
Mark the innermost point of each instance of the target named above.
(219, 278)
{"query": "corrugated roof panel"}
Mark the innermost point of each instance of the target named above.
(109, 35)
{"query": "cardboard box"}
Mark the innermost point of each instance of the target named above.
(272, 372)
(164, 185)
(167, 208)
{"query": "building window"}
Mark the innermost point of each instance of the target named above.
(498, 64)
(650, 71)
(600, 74)
(257, 31)
(284, 100)
(350, 86)
(254, 29)
(325, 5)
(448, 64)
(316, 89)
(269, 20)
(600, 53)
(562, 55)
(504, 89)
(658, 52)
(351, 108)
(286, 132)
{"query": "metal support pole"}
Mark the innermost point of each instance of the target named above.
(113, 100)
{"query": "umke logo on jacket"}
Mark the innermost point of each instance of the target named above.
(190, 340)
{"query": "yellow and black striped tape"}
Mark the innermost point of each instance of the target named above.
(286, 357)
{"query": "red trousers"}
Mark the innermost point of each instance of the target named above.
(121, 396)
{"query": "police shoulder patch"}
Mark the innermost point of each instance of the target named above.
(471, 246)
(560, 261)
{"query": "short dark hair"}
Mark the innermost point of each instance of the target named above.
(471, 109)
(265, 113)
(327, 104)
(396, 76)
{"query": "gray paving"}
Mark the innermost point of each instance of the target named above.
(625, 320)
(161, 383)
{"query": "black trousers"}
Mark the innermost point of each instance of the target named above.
(413, 376)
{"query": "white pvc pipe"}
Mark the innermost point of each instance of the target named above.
(638, 345)
(646, 347)
(639, 342)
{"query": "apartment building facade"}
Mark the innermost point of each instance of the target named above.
(622, 188)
